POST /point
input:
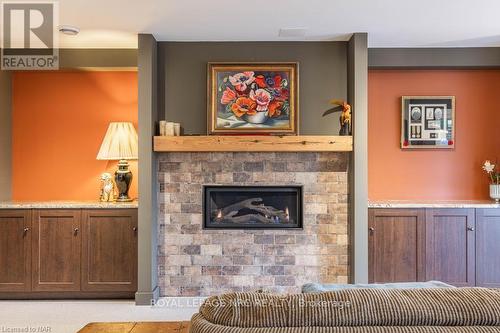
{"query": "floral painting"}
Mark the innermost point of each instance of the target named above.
(252, 98)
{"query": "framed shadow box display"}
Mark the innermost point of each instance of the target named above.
(428, 122)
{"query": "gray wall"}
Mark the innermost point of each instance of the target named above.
(183, 87)
(148, 207)
(5, 136)
(358, 169)
(103, 59)
(434, 58)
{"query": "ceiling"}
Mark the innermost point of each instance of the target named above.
(390, 23)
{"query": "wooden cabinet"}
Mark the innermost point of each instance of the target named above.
(396, 245)
(457, 246)
(488, 248)
(109, 256)
(56, 250)
(450, 243)
(68, 253)
(15, 250)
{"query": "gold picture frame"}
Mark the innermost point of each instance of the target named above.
(428, 122)
(252, 98)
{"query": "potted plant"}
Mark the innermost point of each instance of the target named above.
(494, 174)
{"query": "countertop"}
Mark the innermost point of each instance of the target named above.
(433, 204)
(66, 205)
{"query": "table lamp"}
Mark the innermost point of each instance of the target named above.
(120, 143)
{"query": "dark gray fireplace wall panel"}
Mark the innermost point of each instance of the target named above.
(183, 78)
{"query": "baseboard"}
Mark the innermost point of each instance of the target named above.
(147, 297)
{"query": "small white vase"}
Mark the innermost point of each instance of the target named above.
(258, 118)
(495, 192)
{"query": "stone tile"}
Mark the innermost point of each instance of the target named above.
(189, 291)
(253, 166)
(263, 177)
(190, 249)
(243, 281)
(274, 270)
(285, 260)
(232, 249)
(211, 270)
(263, 281)
(243, 260)
(296, 166)
(222, 260)
(239, 260)
(179, 260)
(231, 270)
(251, 270)
(285, 239)
(211, 249)
(190, 228)
(264, 239)
(284, 281)
(170, 166)
(311, 260)
(242, 177)
(178, 239)
(191, 208)
(224, 178)
(263, 260)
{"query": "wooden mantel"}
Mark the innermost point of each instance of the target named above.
(303, 143)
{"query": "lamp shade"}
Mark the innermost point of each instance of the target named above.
(120, 143)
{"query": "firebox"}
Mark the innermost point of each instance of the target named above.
(252, 207)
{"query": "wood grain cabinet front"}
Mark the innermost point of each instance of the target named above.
(68, 253)
(396, 244)
(56, 250)
(450, 245)
(109, 250)
(15, 250)
(459, 246)
(488, 248)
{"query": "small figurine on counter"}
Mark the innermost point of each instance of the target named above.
(107, 188)
(345, 116)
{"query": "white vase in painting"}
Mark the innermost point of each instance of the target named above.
(495, 192)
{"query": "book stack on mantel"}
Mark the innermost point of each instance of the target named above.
(254, 143)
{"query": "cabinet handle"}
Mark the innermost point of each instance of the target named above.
(25, 231)
(470, 228)
(372, 229)
(76, 231)
(134, 229)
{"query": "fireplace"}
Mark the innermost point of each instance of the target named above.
(252, 207)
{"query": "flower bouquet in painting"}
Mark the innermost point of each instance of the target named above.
(494, 176)
(252, 99)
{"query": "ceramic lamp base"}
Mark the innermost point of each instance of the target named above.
(123, 179)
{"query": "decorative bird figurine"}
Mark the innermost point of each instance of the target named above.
(345, 116)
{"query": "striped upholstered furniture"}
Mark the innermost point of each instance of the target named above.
(353, 311)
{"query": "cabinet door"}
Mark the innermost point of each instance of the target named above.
(15, 250)
(488, 248)
(56, 250)
(396, 245)
(109, 258)
(450, 239)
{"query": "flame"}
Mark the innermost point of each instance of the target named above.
(219, 214)
(287, 213)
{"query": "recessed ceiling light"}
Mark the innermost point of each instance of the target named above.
(69, 30)
(292, 32)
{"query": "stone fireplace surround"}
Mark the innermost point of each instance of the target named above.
(197, 262)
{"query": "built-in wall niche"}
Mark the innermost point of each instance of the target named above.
(252, 207)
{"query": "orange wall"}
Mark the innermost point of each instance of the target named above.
(59, 120)
(433, 174)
